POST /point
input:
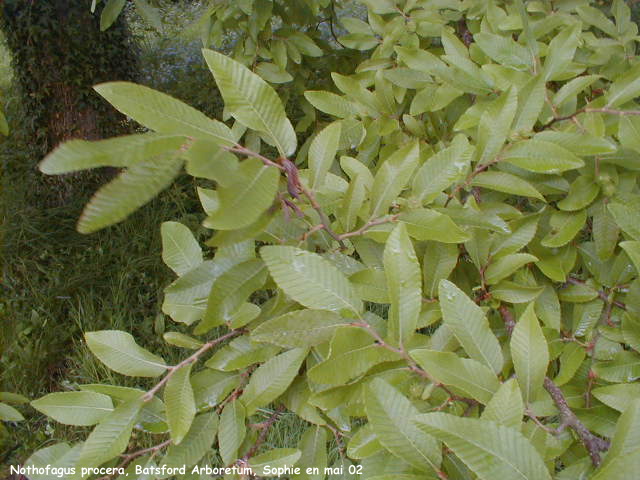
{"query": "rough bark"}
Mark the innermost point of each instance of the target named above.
(58, 54)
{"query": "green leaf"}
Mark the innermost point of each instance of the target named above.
(59, 455)
(391, 415)
(619, 396)
(240, 353)
(439, 261)
(621, 467)
(582, 192)
(272, 378)
(469, 325)
(314, 453)
(627, 217)
(211, 387)
(424, 224)
(181, 406)
(506, 406)
(230, 290)
(561, 51)
(371, 285)
(392, 177)
(623, 367)
(564, 227)
(309, 279)
(252, 101)
(123, 151)
(322, 151)
(186, 298)
(495, 126)
(110, 13)
(266, 463)
(363, 443)
(74, 408)
(302, 328)
(163, 113)
(629, 133)
(9, 414)
(531, 99)
(180, 250)
(181, 340)
(195, 444)
(111, 436)
(467, 375)
(404, 283)
(512, 292)
(490, 450)
(249, 196)
(120, 352)
(633, 250)
(504, 50)
(581, 144)
(330, 103)
(570, 89)
(232, 431)
(530, 354)
(570, 360)
(507, 183)
(14, 398)
(505, 266)
(445, 168)
(541, 157)
(630, 332)
(352, 353)
(126, 193)
(523, 231)
(625, 88)
(626, 437)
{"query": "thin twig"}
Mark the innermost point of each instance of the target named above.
(592, 443)
(193, 358)
(370, 224)
(601, 293)
(610, 111)
(507, 317)
(129, 457)
(326, 223)
(264, 427)
(250, 153)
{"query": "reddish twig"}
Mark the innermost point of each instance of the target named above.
(601, 293)
(507, 317)
(370, 224)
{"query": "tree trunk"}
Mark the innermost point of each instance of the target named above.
(59, 53)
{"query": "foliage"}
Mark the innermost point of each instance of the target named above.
(457, 296)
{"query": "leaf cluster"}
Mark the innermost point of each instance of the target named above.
(444, 277)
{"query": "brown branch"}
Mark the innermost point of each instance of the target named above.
(507, 317)
(479, 169)
(601, 293)
(129, 457)
(264, 427)
(250, 153)
(191, 359)
(369, 224)
(592, 443)
(324, 220)
(610, 111)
